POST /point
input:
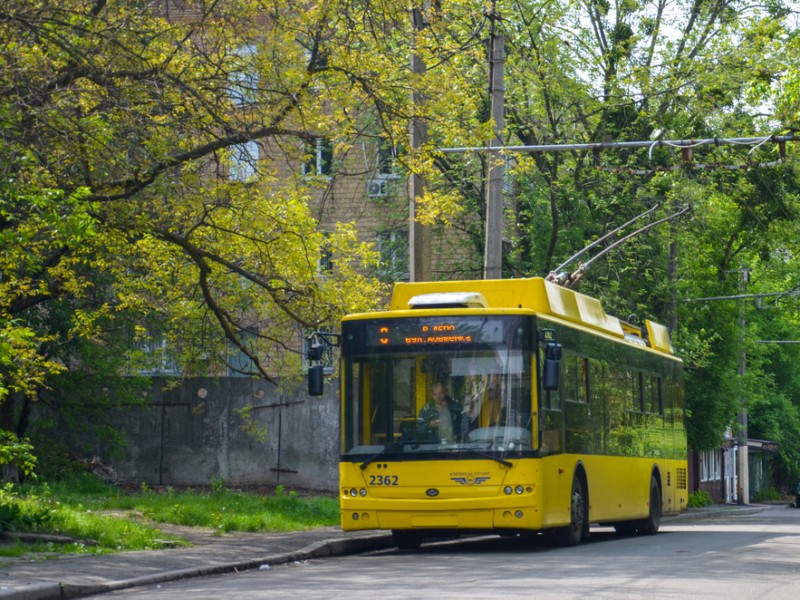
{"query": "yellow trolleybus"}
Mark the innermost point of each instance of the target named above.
(507, 406)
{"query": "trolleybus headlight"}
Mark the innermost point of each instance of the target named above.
(354, 492)
(518, 514)
(363, 491)
(519, 489)
(508, 490)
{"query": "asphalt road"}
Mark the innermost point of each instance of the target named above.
(747, 556)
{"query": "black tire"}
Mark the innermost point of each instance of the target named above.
(406, 540)
(578, 527)
(653, 522)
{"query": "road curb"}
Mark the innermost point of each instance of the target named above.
(39, 591)
(714, 512)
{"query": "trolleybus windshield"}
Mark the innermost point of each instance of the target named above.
(459, 386)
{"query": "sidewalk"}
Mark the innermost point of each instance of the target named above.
(72, 576)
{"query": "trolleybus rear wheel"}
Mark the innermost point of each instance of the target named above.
(653, 521)
(572, 534)
(650, 524)
(406, 540)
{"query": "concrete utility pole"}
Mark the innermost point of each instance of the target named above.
(744, 460)
(493, 244)
(419, 236)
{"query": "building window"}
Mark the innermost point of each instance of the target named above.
(157, 359)
(239, 364)
(325, 261)
(393, 248)
(385, 156)
(319, 158)
(244, 78)
(710, 465)
(244, 162)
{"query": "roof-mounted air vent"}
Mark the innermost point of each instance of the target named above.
(449, 300)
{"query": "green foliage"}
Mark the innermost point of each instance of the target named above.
(259, 433)
(242, 512)
(221, 508)
(699, 499)
(218, 486)
(768, 495)
(19, 453)
(21, 514)
(103, 518)
(71, 486)
(22, 368)
(225, 510)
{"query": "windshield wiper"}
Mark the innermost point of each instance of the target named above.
(378, 454)
(397, 446)
(502, 461)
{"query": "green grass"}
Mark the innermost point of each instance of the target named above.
(105, 518)
(768, 495)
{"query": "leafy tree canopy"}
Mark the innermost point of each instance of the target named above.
(133, 206)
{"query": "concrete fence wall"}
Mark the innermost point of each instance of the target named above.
(238, 430)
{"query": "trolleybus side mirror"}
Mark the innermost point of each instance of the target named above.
(316, 386)
(552, 366)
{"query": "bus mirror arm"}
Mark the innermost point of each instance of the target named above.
(317, 342)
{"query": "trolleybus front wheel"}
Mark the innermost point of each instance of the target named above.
(406, 540)
(572, 534)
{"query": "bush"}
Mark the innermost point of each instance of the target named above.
(14, 451)
(20, 514)
(699, 499)
(768, 495)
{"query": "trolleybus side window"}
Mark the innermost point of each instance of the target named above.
(574, 377)
(579, 435)
(652, 394)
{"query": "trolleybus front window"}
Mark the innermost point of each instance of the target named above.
(456, 399)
